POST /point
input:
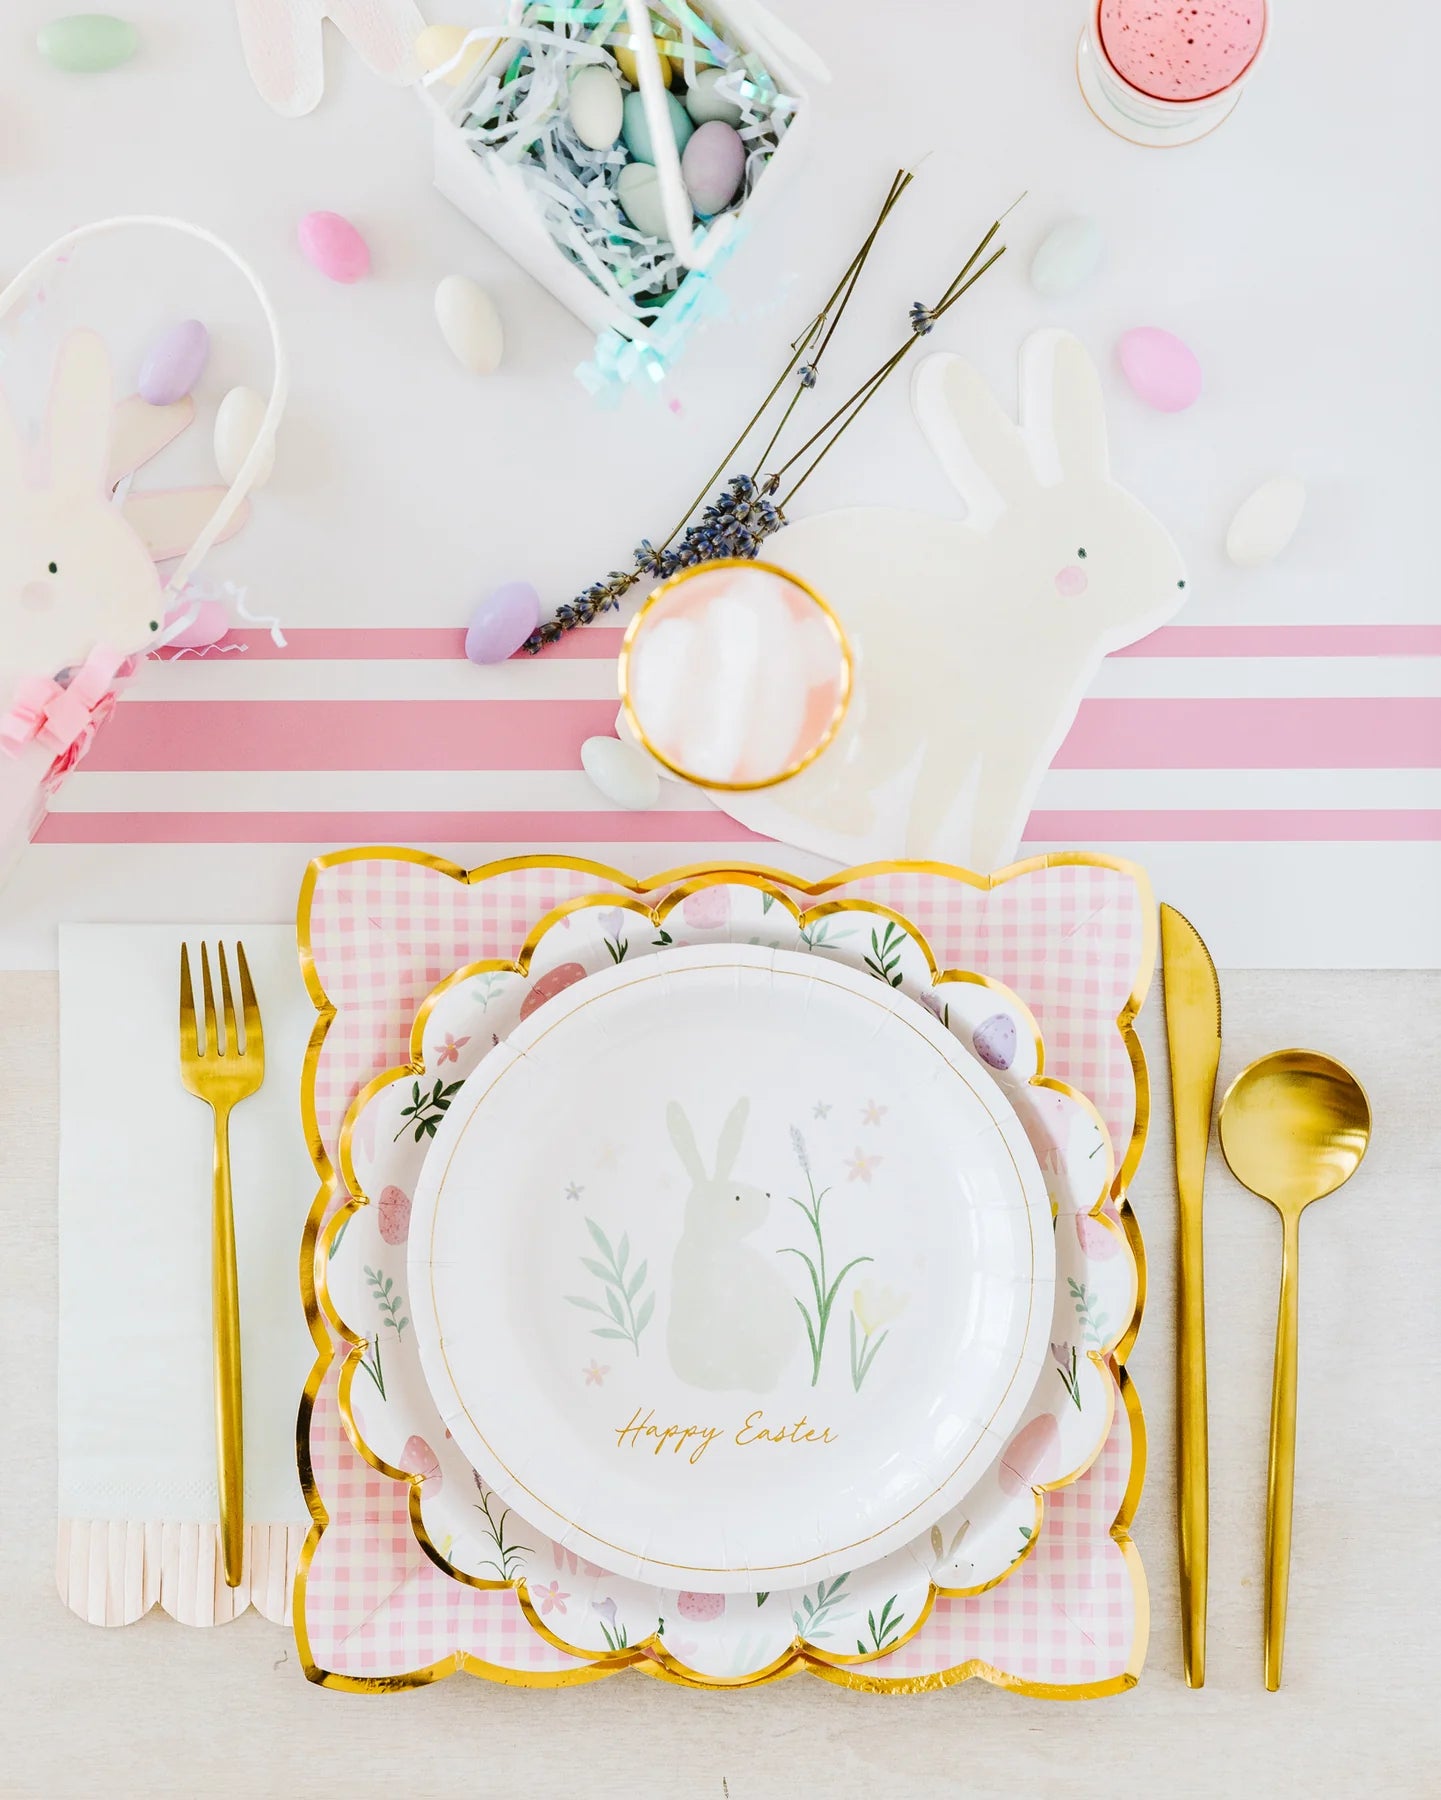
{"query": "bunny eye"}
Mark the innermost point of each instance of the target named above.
(1180, 584)
(1082, 554)
(54, 568)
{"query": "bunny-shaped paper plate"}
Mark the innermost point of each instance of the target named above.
(974, 641)
(81, 598)
(687, 1221)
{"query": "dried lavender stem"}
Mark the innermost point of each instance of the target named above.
(841, 293)
(849, 408)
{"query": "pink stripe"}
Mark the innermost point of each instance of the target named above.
(324, 828)
(1289, 640)
(382, 643)
(255, 735)
(1384, 733)
(350, 734)
(561, 828)
(1200, 827)
(598, 643)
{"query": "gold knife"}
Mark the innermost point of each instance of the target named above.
(1193, 1036)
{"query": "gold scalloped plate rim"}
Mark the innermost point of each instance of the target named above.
(693, 877)
(656, 915)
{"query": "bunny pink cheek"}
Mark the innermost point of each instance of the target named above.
(37, 596)
(1070, 581)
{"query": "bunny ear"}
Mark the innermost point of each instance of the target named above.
(80, 417)
(1061, 392)
(12, 453)
(729, 1147)
(683, 1138)
(976, 441)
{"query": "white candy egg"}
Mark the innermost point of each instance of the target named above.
(237, 424)
(597, 106)
(470, 324)
(623, 774)
(1266, 521)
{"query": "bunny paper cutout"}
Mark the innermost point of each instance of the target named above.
(284, 44)
(974, 642)
(77, 565)
(732, 1317)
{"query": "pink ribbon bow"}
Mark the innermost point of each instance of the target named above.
(61, 716)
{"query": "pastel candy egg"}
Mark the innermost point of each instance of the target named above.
(712, 167)
(554, 981)
(705, 105)
(626, 59)
(470, 324)
(210, 624)
(621, 772)
(1069, 255)
(635, 129)
(237, 425)
(1163, 371)
(331, 244)
(502, 622)
(438, 44)
(87, 43)
(638, 190)
(173, 363)
(995, 1040)
(1266, 521)
(597, 107)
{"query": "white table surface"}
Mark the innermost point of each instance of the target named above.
(1334, 247)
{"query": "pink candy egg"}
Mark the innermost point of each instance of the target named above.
(210, 624)
(1163, 371)
(712, 165)
(333, 245)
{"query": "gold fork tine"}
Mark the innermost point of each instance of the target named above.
(232, 1033)
(254, 1038)
(212, 1031)
(188, 1045)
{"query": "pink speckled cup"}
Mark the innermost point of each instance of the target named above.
(1164, 72)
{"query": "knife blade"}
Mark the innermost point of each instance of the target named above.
(1193, 1038)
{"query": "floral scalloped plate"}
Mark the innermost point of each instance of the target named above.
(582, 1609)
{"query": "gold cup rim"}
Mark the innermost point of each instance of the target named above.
(843, 694)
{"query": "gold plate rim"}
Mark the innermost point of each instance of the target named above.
(677, 884)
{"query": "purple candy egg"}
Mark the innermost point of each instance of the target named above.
(333, 245)
(712, 166)
(995, 1040)
(173, 363)
(502, 622)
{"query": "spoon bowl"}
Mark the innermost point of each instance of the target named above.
(1293, 1127)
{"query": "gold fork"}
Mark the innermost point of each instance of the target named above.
(223, 1073)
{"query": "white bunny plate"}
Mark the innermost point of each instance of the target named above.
(974, 640)
(634, 1243)
(586, 1611)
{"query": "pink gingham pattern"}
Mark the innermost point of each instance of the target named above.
(1073, 939)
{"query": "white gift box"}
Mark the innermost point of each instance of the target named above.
(491, 188)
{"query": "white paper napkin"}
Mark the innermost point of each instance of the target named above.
(138, 1493)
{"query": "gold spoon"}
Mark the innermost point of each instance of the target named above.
(1294, 1126)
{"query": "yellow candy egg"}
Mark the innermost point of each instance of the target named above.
(437, 44)
(626, 59)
